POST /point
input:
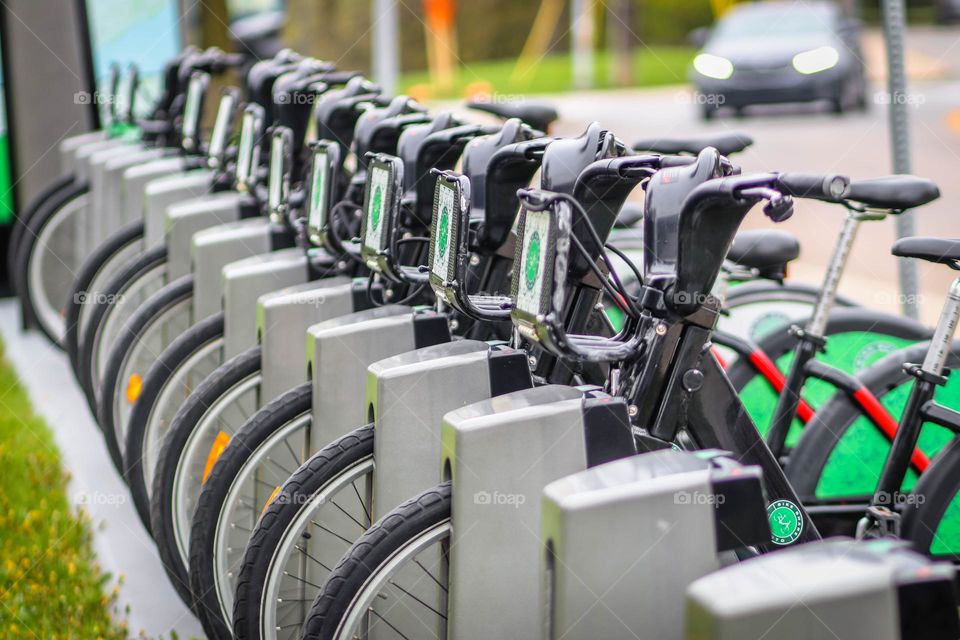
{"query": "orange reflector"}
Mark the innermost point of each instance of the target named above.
(216, 450)
(953, 120)
(270, 500)
(134, 387)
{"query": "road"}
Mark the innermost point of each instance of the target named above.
(807, 138)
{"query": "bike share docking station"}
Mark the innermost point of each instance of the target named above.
(649, 524)
(826, 590)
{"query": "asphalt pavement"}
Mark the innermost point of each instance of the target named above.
(809, 138)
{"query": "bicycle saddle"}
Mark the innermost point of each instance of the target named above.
(763, 248)
(538, 115)
(725, 143)
(336, 112)
(896, 193)
(378, 130)
(940, 250)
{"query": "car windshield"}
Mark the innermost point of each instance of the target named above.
(772, 22)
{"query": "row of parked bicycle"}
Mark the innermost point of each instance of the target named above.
(371, 370)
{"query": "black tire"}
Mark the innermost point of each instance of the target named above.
(27, 244)
(267, 421)
(309, 480)
(760, 399)
(79, 295)
(172, 294)
(230, 373)
(391, 533)
(832, 422)
(843, 320)
(129, 273)
(939, 487)
(186, 344)
(765, 290)
(20, 220)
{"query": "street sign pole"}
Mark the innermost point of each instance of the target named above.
(894, 26)
(386, 52)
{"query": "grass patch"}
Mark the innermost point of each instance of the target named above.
(50, 583)
(651, 67)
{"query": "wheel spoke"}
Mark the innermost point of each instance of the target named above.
(410, 595)
(387, 622)
(363, 505)
(304, 552)
(349, 543)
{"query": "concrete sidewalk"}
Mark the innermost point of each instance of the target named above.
(123, 546)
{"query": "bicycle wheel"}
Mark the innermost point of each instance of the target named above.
(186, 362)
(932, 523)
(138, 345)
(263, 454)
(46, 261)
(301, 536)
(841, 452)
(95, 272)
(20, 220)
(199, 432)
(857, 339)
(758, 308)
(132, 285)
(394, 578)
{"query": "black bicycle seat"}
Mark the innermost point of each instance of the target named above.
(725, 143)
(897, 192)
(538, 115)
(763, 248)
(940, 250)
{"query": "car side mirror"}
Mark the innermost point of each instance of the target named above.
(699, 36)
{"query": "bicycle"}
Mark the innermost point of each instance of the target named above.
(694, 390)
(163, 183)
(276, 548)
(425, 141)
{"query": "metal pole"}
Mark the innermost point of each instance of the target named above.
(386, 52)
(581, 44)
(894, 26)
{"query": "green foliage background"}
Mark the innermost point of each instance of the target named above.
(486, 29)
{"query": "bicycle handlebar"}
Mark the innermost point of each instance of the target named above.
(829, 187)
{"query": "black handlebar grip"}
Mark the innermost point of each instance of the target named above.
(830, 187)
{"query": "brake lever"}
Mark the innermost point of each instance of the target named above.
(779, 207)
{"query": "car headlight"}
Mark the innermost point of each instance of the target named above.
(713, 66)
(816, 60)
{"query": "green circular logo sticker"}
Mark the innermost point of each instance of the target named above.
(533, 260)
(443, 232)
(375, 208)
(786, 522)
